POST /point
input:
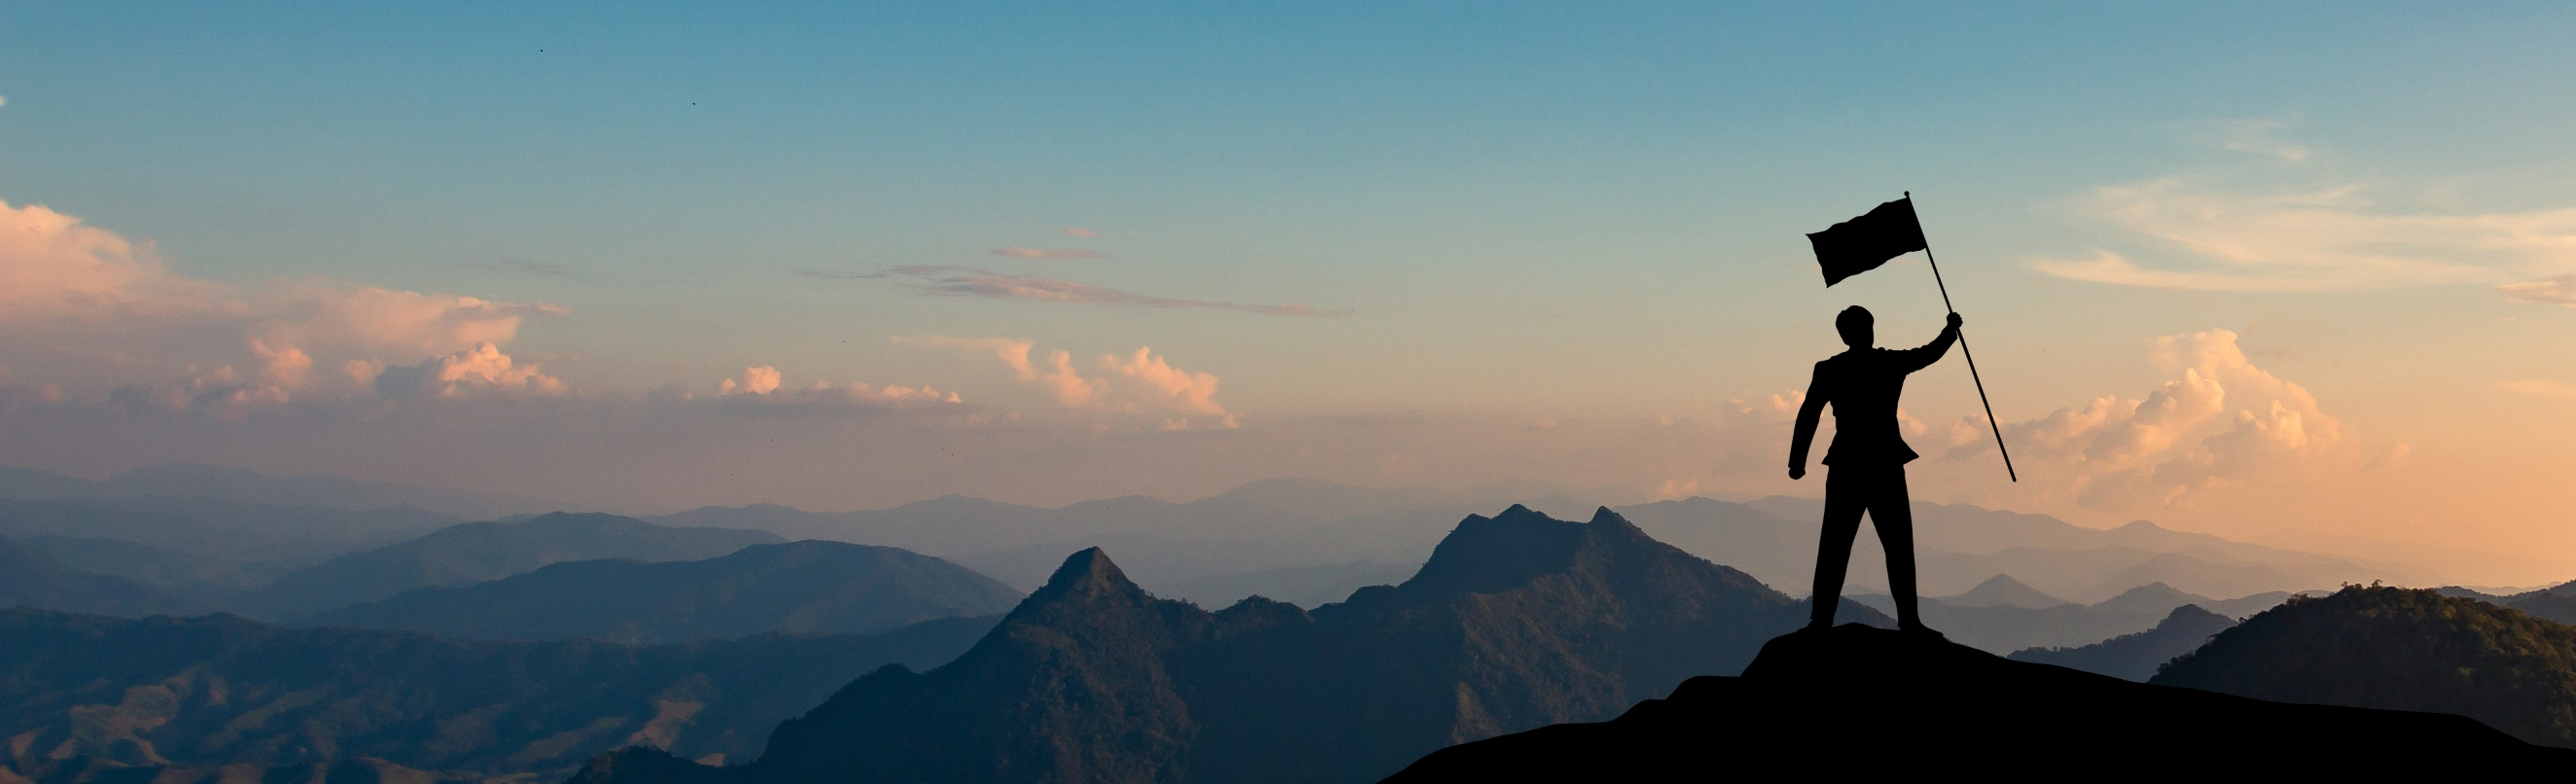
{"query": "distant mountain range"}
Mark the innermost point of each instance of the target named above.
(2556, 603)
(809, 587)
(197, 480)
(1958, 546)
(89, 693)
(260, 541)
(469, 553)
(1978, 620)
(2135, 657)
(30, 577)
(1279, 538)
(2399, 649)
(1515, 622)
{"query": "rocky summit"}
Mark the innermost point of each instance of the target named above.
(1853, 700)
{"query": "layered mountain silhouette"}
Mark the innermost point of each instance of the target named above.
(262, 540)
(1517, 621)
(2556, 603)
(87, 696)
(2003, 591)
(1958, 546)
(198, 480)
(2135, 657)
(2002, 628)
(469, 553)
(809, 587)
(1854, 701)
(2402, 649)
(31, 578)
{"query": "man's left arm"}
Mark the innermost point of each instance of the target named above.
(1923, 356)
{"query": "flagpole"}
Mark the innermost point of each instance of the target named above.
(1964, 352)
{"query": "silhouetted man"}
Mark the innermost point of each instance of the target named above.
(1867, 458)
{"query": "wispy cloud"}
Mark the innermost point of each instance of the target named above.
(1079, 231)
(2330, 239)
(970, 282)
(1050, 253)
(2257, 135)
(2541, 387)
(520, 266)
(2558, 290)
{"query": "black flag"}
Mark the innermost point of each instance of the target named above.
(1861, 244)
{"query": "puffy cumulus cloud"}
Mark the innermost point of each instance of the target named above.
(54, 266)
(480, 369)
(1140, 383)
(970, 282)
(1049, 253)
(759, 380)
(2178, 442)
(133, 320)
(2325, 239)
(760, 388)
(1162, 386)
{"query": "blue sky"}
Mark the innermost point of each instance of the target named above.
(1510, 215)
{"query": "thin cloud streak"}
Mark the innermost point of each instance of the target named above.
(2558, 290)
(2322, 240)
(1050, 253)
(970, 282)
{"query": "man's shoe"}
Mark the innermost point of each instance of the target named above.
(1918, 628)
(1819, 625)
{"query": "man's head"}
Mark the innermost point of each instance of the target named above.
(1855, 322)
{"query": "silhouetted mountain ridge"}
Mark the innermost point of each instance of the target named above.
(2404, 649)
(222, 690)
(469, 553)
(2135, 657)
(1516, 621)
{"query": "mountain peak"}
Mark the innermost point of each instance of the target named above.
(1085, 575)
(2002, 590)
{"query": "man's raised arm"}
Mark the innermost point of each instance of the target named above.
(1923, 356)
(1808, 412)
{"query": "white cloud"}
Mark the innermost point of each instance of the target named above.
(2179, 441)
(481, 369)
(1166, 387)
(2325, 239)
(135, 320)
(1140, 383)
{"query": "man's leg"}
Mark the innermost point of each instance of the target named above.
(1892, 513)
(1845, 499)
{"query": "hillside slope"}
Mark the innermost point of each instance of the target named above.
(2135, 657)
(809, 587)
(30, 578)
(2402, 649)
(221, 690)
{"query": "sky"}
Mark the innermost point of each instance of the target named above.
(2298, 274)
